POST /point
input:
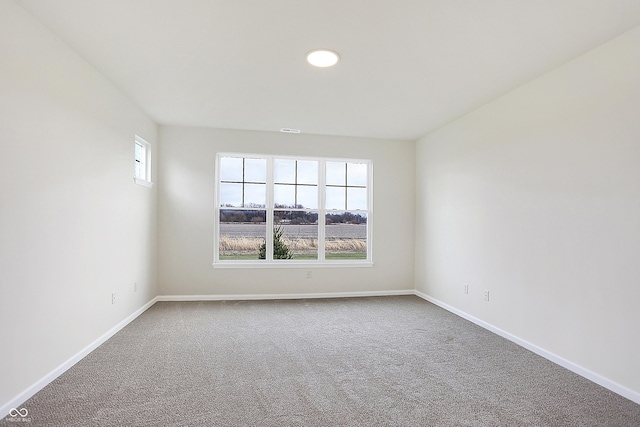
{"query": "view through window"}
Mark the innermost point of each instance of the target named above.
(280, 210)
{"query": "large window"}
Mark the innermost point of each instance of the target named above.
(276, 210)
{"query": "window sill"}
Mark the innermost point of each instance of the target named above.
(143, 182)
(290, 264)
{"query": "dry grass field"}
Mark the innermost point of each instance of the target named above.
(343, 241)
(333, 231)
(252, 244)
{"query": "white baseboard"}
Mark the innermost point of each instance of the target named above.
(590, 375)
(239, 297)
(43, 382)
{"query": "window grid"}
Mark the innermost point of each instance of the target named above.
(272, 209)
(296, 185)
(244, 182)
(345, 186)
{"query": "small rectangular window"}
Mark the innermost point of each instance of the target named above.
(142, 162)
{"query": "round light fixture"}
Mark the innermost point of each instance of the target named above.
(322, 58)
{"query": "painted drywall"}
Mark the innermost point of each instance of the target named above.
(536, 198)
(74, 227)
(185, 200)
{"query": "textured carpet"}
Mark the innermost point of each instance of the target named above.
(379, 361)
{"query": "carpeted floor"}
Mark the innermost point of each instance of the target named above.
(379, 361)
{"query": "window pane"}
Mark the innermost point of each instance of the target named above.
(138, 152)
(356, 198)
(308, 196)
(295, 235)
(307, 172)
(140, 161)
(231, 169)
(357, 174)
(255, 170)
(345, 236)
(284, 196)
(242, 234)
(284, 171)
(230, 195)
(336, 173)
(255, 195)
(335, 198)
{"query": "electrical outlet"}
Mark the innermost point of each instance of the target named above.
(113, 298)
(308, 274)
(466, 288)
(486, 295)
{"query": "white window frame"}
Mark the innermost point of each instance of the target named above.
(269, 262)
(144, 178)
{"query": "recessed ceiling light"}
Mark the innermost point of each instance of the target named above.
(322, 58)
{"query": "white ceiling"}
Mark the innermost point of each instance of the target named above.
(407, 66)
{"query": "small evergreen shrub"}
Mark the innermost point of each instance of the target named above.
(280, 249)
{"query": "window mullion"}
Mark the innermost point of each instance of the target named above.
(242, 195)
(321, 208)
(369, 207)
(269, 209)
(216, 212)
(295, 183)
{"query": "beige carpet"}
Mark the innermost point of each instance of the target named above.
(379, 361)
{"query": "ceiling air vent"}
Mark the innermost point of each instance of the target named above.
(289, 130)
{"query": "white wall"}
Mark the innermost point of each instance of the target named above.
(536, 197)
(73, 225)
(185, 201)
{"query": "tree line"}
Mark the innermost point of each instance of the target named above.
(290, 217)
